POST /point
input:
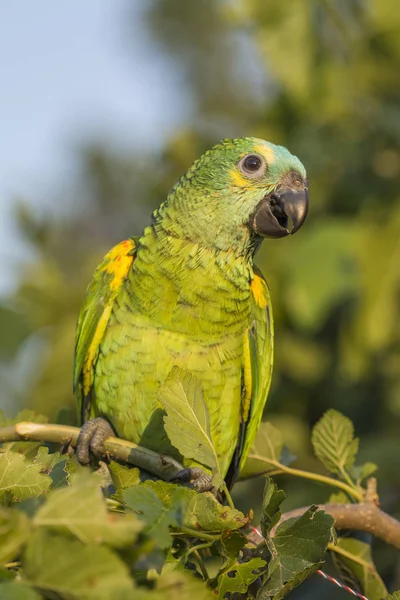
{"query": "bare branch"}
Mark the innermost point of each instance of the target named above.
(160, 465)
(365, 516)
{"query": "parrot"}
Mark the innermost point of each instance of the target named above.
(187, 294)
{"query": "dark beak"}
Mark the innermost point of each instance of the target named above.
(281, 213)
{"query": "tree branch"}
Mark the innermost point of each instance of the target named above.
(160, 465)
(365, 516)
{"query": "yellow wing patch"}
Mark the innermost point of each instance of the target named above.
(120, 260)
(93, 350)
(247, 377)
(116, 263)
(257, 288)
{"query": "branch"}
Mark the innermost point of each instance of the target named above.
(160, 465)
(365, 516)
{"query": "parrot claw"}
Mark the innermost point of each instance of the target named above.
(91, 439)
(196, 479)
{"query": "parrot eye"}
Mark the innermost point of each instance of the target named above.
(252, 164)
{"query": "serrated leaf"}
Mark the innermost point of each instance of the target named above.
(394, 596)
(21, 478)
(238, 577)
(54, 464)
(157, 517)
(73, 570)
(205, 512)
(14, 590)
(123, 477)
(202, 511)
(272, 499)
(297, 549)
(334, 443)
(81, 511)
(14, 532)
(268, 448)
(187, 421)
(371, 583)
(46, 460)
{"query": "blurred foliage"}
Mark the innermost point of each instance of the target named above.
(321, 77)
(69, 532)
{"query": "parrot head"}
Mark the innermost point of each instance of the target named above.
(244, 186)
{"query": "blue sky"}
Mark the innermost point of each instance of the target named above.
(72, 71)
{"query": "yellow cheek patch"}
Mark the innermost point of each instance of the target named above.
(238, 179)
(119, 263)
(257, 288)
(265, 151)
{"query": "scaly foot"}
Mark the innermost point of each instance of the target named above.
(195, 478)
(91, 439)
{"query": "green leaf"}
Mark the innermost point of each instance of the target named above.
(394, 596)
(158, 517)
(297, 549)
(371, 583)
(272, 499)
(334, 443)
(361, 472)
(205, 512)
(14, 590)
(266, 452)
(65, 566)
(80, 510)
(238, 577)
(21, 478)
(46, 460)
(14, 532)
(202, 511)
(172, 585)
(232, 545)
(187, 421)
(123, 477)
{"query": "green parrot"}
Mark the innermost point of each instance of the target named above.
(186, 293)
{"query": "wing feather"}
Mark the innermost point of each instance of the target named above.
(259, 353)
(94, 316)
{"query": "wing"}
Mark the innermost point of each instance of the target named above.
(93, 319)
(257, 371)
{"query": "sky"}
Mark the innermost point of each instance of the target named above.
(69, 72)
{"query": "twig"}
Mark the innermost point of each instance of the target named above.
(160, 465)
(283, 469)
(365, 516)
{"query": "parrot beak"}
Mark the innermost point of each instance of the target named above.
(272, 216)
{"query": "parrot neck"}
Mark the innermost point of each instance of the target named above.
(196, 222)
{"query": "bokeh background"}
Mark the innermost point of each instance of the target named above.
(105, 104)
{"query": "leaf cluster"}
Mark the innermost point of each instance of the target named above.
(72, 533)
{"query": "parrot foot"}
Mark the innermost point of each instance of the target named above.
(91, 439)
(196, 479)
